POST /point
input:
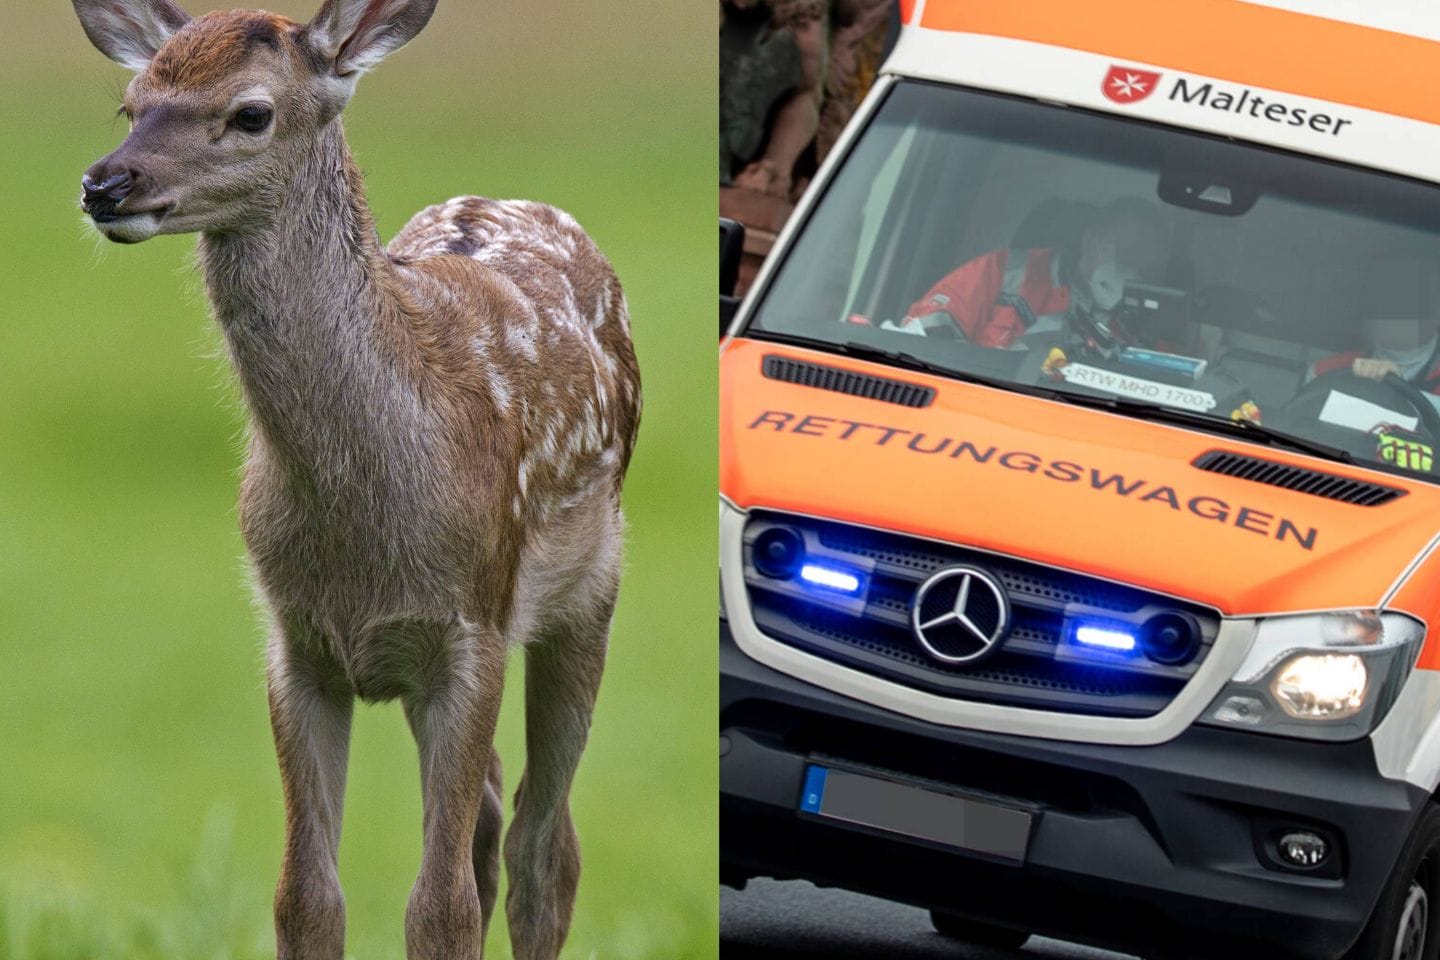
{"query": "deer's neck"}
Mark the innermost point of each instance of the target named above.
(315, 323)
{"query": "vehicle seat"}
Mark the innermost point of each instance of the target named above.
(1254, 345)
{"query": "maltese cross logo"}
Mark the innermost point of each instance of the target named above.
(1127, 85)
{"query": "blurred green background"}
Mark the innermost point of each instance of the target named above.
(140, 811)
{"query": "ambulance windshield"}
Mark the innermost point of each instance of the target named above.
(1098, 257)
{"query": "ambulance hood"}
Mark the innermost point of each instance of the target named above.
(1099, 493)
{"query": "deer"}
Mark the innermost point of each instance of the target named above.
(439, 430)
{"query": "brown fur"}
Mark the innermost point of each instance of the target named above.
(439, 434)
(213, 47)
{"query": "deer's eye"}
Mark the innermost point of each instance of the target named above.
(253, 119)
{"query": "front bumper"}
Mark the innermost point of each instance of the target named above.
(1139, 848)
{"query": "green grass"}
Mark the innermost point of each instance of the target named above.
(213, 919)
(139, 801)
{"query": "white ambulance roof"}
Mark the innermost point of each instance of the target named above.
(1342, 79)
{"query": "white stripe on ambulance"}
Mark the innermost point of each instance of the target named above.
(1060, 75)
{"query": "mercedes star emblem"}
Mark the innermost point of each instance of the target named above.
(960, 614)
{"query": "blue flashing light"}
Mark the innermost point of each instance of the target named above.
(831, 577)
(1105, 638)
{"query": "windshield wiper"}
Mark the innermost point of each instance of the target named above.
(1313, 447)
(909, 361)
(1247, 428)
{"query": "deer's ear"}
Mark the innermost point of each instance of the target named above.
(354, 35)
(130, 31)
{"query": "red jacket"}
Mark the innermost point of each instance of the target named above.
(971, 296)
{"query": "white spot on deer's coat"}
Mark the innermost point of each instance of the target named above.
(522, 342)
(592, 430)
(601, 393)
(499, 388)
(573, 441)
(552, 441)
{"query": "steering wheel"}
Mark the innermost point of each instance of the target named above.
(1301, 415)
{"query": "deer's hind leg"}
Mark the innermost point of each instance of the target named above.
(310, 708)
(485, 852)
(564, 660)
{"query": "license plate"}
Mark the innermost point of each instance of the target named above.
(962, 823)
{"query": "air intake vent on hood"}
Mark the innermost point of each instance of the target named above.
(846, 381)
(1302, 479)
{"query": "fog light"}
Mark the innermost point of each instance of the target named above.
(1241, 710)
(1171, 638)
(1303, 849)
(1328, 686)
(778, 553)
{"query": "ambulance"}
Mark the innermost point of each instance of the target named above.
(1079, 496)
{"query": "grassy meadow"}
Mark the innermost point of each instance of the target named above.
(140, 806)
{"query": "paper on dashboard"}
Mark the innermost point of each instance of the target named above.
(1344, 410)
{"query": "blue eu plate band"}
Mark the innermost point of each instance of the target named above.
(814, 788)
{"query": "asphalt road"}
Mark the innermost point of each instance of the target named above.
(794, 920)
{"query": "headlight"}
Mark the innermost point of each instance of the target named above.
(1328, 676)
(1328, 686)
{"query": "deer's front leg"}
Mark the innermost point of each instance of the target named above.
(310, 708)
(452, 714)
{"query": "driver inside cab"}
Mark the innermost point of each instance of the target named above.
(1400, 314)
(998, 298)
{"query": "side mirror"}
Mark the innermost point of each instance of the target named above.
(732, 248)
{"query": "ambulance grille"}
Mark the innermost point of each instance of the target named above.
(1033, 666)
(1300, 479)
(847, 381)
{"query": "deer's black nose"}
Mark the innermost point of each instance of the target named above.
(113, 187)
(102, 192)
